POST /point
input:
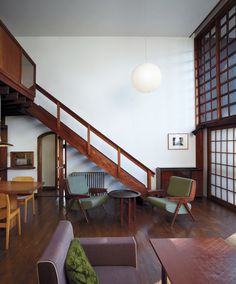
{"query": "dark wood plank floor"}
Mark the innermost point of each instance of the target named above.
(18, 264)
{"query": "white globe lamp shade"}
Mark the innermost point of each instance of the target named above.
(146, 77)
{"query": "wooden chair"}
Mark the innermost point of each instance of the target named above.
(181, 191)
(24, 199)
(81, 197)
(7, 215)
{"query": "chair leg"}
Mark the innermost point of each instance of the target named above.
(19, 223)
(71, 202)
(176, 213)
(7, 233)
(83, 211)
(33, 205)
(189, 211)
(25, 211)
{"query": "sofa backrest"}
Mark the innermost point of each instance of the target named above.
(179, 186)
(50, 267)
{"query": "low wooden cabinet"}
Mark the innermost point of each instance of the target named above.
(163, 176)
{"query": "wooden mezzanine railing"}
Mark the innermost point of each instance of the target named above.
(90, 129)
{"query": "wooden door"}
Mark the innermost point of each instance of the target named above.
(61, 165)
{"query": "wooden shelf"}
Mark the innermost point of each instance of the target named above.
(21, 168)
(22, 160)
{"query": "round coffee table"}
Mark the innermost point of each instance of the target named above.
(129, 195)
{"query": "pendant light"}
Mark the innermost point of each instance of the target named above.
(146, 77)
(2, 144)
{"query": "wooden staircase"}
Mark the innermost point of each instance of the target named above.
(17, 90)
(84, 146)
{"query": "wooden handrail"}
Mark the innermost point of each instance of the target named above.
(94, 130)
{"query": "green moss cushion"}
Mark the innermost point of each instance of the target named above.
(77, 266)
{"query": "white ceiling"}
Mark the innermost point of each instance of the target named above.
(104, 17)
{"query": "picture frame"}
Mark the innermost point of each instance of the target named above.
(178, 141)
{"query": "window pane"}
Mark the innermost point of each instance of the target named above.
(232, 85)
(223, 77)
(233, 109)
(232, 11)
(232, 97)
(224, 100)
(213, 94)
(223, 31)
(232, 48)
(232, 23)
(232, 59)
(224, 89)
(224, 112)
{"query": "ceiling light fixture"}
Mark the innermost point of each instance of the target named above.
(146, 77)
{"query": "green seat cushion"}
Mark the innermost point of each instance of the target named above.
(179, 186)
(90, 202)
(77, 266)
(166, 204)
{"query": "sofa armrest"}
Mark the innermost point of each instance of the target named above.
(50, 267)
(110, 251)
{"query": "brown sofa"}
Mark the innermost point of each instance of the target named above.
(113, 258)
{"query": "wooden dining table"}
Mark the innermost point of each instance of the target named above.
(196, 260)
(14, 188)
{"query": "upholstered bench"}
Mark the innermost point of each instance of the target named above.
(113, 258)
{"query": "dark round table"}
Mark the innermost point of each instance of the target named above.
(129, 195)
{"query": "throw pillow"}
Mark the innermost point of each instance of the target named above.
(77, 266)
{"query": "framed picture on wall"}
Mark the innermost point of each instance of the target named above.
(177, 141)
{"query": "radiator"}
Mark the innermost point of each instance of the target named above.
(94, 179)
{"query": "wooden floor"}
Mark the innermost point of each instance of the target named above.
(18, 264)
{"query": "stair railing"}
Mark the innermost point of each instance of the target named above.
(90, 129)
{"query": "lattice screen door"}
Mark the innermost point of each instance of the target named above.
(222, 164)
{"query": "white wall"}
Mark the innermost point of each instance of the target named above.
(91, 75)
(23, 132)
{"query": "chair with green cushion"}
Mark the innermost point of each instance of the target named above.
(181, 191)
(81, 197)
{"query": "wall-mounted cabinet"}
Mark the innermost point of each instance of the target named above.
(22, 160)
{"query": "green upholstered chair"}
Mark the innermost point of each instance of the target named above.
(181, 191)
(81, 197)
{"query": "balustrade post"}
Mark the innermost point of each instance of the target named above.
(149, 180)
(58, 116)
(88, 140)
(118, 161)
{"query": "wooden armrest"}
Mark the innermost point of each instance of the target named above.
(158, 193)
(179, 199)
(94, 190)
(78, 196)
